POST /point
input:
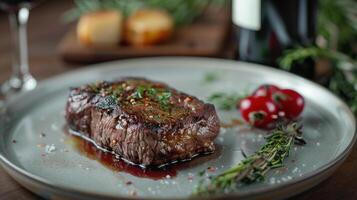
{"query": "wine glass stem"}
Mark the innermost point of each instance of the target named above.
(18, 24)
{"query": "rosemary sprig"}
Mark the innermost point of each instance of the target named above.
(254, 168)
(300, 54)
(182, 11)
(343, 81)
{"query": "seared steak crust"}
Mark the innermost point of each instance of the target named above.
(145, 122)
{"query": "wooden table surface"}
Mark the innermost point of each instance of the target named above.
(45, 32)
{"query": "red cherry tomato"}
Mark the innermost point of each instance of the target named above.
(259, 111)
(266, 90)
(290, 102)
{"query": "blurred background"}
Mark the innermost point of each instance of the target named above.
(315, 39)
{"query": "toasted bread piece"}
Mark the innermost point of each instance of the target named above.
(148, 27)
(100, 28)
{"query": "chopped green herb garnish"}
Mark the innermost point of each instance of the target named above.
(139, 92)
(151, 92)
(201, 173)
(159, 95)
(139, 95)
(164, 98)
(224, 100)
(210, 77)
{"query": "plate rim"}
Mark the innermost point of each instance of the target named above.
(117, 64)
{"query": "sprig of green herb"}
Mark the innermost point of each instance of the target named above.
(301, 53)
(254, 168)
(337, 25)
(182, 11)
(225, 101)
(343, 82)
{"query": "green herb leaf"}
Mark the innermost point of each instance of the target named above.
(139, 92)
(224, 101)
(151, 92)
(164, 98)
(211, 77)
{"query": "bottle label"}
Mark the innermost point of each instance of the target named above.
(247, 14)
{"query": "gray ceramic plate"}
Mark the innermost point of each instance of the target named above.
(52, 167)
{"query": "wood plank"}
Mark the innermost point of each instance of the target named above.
(205, 37)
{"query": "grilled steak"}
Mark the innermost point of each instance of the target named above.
(145, 122)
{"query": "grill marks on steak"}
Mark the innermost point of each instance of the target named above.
(145, 122)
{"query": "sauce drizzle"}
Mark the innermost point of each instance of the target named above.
(113, 162)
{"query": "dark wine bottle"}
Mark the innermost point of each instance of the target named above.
(265, 28)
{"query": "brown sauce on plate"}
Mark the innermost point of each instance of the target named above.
(234, 122)
(114, 162)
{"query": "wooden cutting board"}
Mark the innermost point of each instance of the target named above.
(205, 37)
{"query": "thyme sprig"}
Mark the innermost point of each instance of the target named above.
(254, 167)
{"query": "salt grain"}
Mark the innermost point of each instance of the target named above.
(295, 170)
(54, 127)
(118, 126)
(190, 177)
(132, 193)
(317, 143)
(272, 180)
(50, 148)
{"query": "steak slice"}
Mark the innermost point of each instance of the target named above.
(145, 122)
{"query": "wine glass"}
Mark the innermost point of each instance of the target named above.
(21, 79)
